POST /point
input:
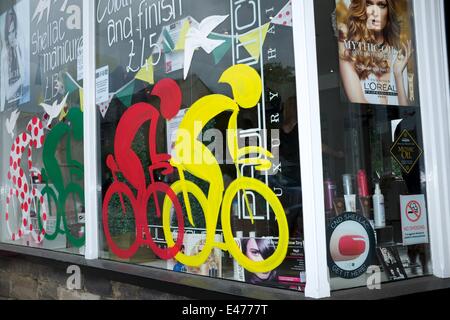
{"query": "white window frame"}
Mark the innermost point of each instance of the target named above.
(433, 79)
(435, 102)
(91, 164)
(310, 139)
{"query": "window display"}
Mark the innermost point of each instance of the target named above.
(373, 160)
(42, 176)
(194, 128)
(199, 138)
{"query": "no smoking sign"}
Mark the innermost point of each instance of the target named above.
(414, 219)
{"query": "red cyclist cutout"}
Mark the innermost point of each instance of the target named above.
(126, 161)
(24, 191)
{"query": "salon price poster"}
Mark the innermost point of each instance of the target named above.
(414, 219)
(376, 41)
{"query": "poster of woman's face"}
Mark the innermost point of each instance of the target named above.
(377, 51)
(257, 250)
(15, 55)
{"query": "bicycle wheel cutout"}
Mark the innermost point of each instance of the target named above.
(52, 213)
(161, 189)
(120, 226)
(256, 186)
(12, 215)
(71, 202)
(196, 193)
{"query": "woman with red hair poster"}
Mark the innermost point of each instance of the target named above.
(376, 51)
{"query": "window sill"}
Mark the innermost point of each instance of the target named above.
(222, 287)
(227, 289)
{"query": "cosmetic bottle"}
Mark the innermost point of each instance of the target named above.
(339, 206)
(349, 196)
(363, 191)
(330, 194)
(363, 188)
(213, 271)
(347, 182)
(378, 208)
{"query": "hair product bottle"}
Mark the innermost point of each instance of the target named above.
(330, 194)
(363, 188)
(364, 196)
(349, 196)
(378, 208)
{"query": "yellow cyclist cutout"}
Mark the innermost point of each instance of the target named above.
(246, 87)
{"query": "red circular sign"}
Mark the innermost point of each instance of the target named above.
(413, 211)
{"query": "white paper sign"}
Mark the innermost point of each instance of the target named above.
(102, 85)
(414, 219)
(172, 128)
(80, 64)
(174, 61)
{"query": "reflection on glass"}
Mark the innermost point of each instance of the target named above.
(199, 137)
(372, 141)
(41, 170)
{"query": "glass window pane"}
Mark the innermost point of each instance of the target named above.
(373, 166)
(199, 138)
(41, 116)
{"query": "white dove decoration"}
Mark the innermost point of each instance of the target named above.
(11, 122)
(197, 37)
(54, 110)
(42, 6)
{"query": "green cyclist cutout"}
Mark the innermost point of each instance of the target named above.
(56, 189)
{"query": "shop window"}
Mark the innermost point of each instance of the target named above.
(199, 138)
(373, 163)
(41, 123)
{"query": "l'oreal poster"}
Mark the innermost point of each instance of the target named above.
(377, 52)
(15, 55)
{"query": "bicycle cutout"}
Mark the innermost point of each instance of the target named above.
(59, 193)
(246, 87)
(126, 162)
(27, 196)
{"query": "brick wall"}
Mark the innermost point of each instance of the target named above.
(24, 277)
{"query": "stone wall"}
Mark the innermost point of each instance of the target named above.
(28, 278)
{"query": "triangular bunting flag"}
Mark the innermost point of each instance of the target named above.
(81, 99)
(63, 112)
(284, 17)
(103, 107)
(182, 37)
(70, 84)
(254, 40)
(146, 72)
(168, 43)
(222, 50)
(125, 95)
(159, 48)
